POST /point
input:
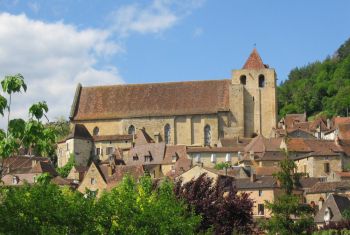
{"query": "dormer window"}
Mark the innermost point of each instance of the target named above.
(131, 130)
(148, 158)
(93, 181)
(135, 158)
(261, 81)
(174, 158)
(243, 80)
(15, 180)
(96, 131)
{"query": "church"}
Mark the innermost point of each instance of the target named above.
(192, 113)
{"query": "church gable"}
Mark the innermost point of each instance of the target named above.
(158, 99)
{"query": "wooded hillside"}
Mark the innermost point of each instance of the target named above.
(319, 87)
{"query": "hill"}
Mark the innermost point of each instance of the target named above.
(319, 88)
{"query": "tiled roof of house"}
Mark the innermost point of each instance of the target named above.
(271, 156)
(260, 183)
(344, 130)
(266, 170)
(318, 122)
(138, 154)
(337, 204)
(291, 119)
(174, 150)
(44, 167)
(340, 120)
(135, 171)
(238, 143)
(308, 182)
(21, 163)
(254, 61)
(156, 99)
(98, 138)
(142, 137)
(329, 187)
(261, 144)
(344, 174)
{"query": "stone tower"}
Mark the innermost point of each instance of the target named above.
(254, 94)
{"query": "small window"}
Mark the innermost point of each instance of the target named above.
(14, 180)
(213, 158)
(243, 79)
(93, 181)
(260, 193)
(131, 130)
(174, 158)
(207, 135)
(198, 158)
(228, 157)
(261, 209)
(326, 167)
(148, 158)
(98, 151)
(261, 81)
(135, 158)
(96, 131)
(109, 150)
(167, 134)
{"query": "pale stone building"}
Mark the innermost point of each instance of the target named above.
(188, 113)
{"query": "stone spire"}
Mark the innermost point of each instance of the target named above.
(254, 61)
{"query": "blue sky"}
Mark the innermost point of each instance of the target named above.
(56, 44)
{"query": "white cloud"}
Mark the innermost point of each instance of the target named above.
(154, 18)
(53, 58)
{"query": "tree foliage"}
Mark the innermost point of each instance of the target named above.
(130, 208)
(222, 209)
(289, 215)
(64, 171)
(319, 87)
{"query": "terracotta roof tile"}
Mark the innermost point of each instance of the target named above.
(259, 183)
(254, 61)
(339, 120)
(174, 150)
(138, 154)
(213, 149)
(112, 138)
(344, 130)
(235, 142)
(135, 171)
(261, 144)
(157, 99)
(266, 170)
(329, 187)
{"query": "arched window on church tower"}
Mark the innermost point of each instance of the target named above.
(95, 131)
(261, 80)
(207, 135)
(167, 134)
(131, 130)
(243, 79)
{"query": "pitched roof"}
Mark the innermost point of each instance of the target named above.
(142, 137)
(44, 167)
(155, 150)
(213, 149)
(154, 99)
(308, 182)
(239, 143)
(261, 144)
(112, 138)
(337, 204)
(79, 131)
(135, 171)
(266, 170)
(294, 118)
(21, 164)
(339, 120)
(254, 61)
(174, 150)
(259, 183)
(329, 187)
(344, 130)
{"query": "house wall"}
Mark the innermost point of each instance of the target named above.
(267, 195)
(100, 184)
(315, 166)
(105, 144)
(195, 172)
(205, 158)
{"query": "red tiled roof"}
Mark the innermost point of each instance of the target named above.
(112, 138)
(291, 119)
(142, 137)
(135, 171)
(254, 61)
(339, 120)
(344, 130)
(261, 144)
(213, 149)
(156, 99)
(174, 150)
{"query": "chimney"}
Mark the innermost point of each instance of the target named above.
(251, 155)
(320, 203)
(252, 176)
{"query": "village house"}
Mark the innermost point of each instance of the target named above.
(317, 194)
(332, 209)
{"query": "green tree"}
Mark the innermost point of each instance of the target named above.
(289, 215)
(31, 136)
(64, 171)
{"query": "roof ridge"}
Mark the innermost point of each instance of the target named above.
(157, 83)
